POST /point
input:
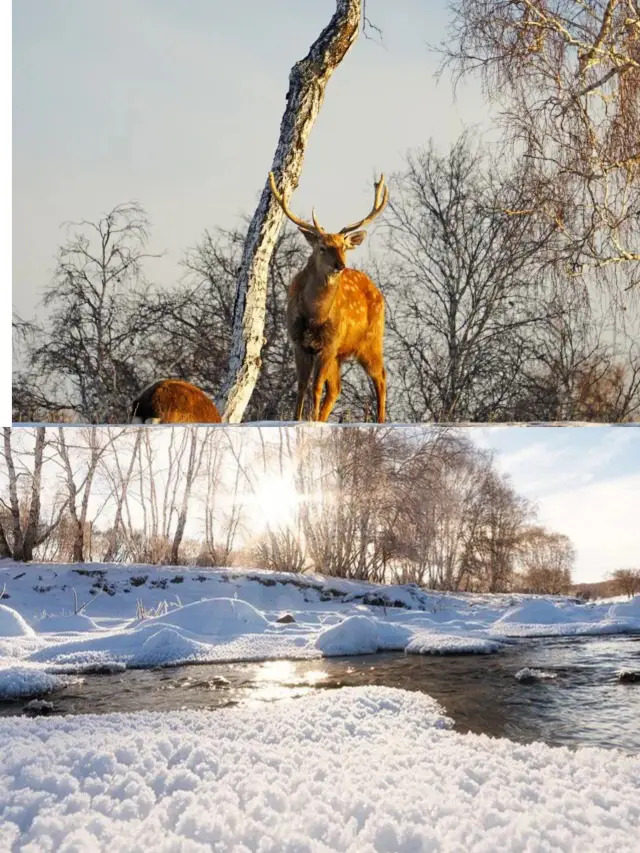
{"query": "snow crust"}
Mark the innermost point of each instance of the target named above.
(360, 770)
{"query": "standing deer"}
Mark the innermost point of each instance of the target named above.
(334, 313)
(173, 401)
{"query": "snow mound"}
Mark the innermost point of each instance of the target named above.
(536, 612)
(355, 635)
(440, 643)
(355, 770)
(626, 609)
(529, 676)
(75, 623)
(220, 617)
(25, 680)
(167, 646)
(393, 637)
(12, 624)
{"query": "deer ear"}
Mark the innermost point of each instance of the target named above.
(310, 237)
(355, 239)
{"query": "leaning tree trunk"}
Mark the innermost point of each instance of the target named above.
(307, 83)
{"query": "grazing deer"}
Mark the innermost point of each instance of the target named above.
(334, 313)
(173, 401)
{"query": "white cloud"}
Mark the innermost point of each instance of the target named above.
(602, 521)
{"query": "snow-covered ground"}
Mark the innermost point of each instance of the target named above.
(364, 770)
(358, 769)
(224, 615)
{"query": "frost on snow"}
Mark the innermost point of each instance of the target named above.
(363, 770)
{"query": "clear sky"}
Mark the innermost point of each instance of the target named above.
(586, 482)
(178, 105)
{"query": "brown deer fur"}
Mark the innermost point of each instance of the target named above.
(334, 313)
(173, 401)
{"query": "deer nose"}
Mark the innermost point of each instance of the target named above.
(339, 264)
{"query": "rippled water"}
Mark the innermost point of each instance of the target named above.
(581, 703)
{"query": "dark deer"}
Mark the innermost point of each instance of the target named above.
(173, 401)
(334, 313)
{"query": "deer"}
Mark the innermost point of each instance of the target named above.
(334, 313)
(173, 401)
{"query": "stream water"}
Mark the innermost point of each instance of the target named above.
(580, 702)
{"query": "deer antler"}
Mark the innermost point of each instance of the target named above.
(379, 202)
(316, 228)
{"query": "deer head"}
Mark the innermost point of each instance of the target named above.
(329, 253)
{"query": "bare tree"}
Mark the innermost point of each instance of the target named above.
(79, 480)
(463, 283)
(503, 518)
(566, 79)
(308, 80)
(123, 480)
(84, 360)
(627, 581)
(27, 529)
(581, 366)
(546, 562)
(188, 476)
(192, 336)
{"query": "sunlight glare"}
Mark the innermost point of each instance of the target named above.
(273, 503)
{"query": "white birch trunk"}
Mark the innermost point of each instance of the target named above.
(307, 83)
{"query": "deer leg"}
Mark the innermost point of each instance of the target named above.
(374, 368)
(323, 367)
(304, 364)
(333, 386)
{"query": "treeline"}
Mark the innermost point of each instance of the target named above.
(621, 582)
(485, 322)
(421, 505)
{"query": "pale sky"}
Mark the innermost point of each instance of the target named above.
(178, 104)
(586, 482)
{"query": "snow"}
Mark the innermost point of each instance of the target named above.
(528, 676)
(74, 623)
(230, 615)
(356, 635)
(626, 609)
(12, 624)
(217, 617)
(436, 642)
(361, 769)
(23, 679)
(538, 612)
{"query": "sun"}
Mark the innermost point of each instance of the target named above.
(273, 503)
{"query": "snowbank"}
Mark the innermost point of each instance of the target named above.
(219, 617)
(537, 612)
(544, 618)
(360, 635)
(230, 615)
(439, 643)
(75, 623)
(363, 770)
(12, 624)
(626, 609)
(22, 680)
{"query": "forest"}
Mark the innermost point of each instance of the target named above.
(387, 505)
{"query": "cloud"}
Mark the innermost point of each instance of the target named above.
(601, 519)
(585, 482)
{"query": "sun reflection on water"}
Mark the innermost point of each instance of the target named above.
(280, 679)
